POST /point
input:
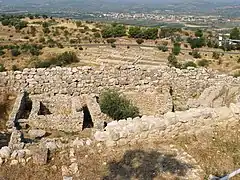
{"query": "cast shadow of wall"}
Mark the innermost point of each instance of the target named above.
(143, 165)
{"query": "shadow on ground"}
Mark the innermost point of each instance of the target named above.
(145, 166)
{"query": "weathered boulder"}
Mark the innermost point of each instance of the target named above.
(36, 133)
(5, 152)
(51, 145)
(67, 178)
(101, 136)
(216, 96)
(77, 142)
(1, 161)
(40, 156)
(14, 162)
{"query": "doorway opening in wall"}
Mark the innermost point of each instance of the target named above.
(87, 119)
(27, 107)
(43, 110)
(97, 99)
(171, 94)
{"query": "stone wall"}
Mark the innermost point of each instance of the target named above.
(169, 125)
(17, 110)
(185, 84)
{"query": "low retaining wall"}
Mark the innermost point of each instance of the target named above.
(169, 125)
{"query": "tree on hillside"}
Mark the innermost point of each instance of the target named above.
(114, 31)
(135, 32)
(199, 33)
(168, 31)
(45, 24)
(235, 33)
(140, 41)
(197, 42)
(176, 49)
(172, 61)
(78, 23)
(150, 33)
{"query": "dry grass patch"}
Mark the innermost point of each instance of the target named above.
(217, 150)
(31, 171)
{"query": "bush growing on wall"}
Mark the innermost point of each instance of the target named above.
(116, 105)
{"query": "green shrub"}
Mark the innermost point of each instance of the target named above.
(135, 32)
(176, 49)
(199, 33)
(189, 64)
(15, 68)
(140, 41)
(196, 54)
(1, 52)
(59, 45)
(73, 41)
(94, 30)
(196, 42)
(115, 30)
(163, 48)
(43, 64)
(2, 68)
(46, 30)
(110, 41)
(42, 40)
(168, 31)
(203, 63)
(65, 58)
(60, 60)
(116, 105)
(78, 23)
(35, 51)
(45, 24)
(150, 33)
(216, 55)
(238, 61)
(113, 45)
(97, 35)
(236, 74)
(15, 52)
(172, 61)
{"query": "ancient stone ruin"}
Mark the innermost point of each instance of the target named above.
(171, 101)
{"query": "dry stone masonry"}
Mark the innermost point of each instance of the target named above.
(135, 81)
(171, 102)
(169, 125)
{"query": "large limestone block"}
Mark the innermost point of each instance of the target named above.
(101, 136)
(36, 133)
(170, 118)
(40, 156)
(224, 113)
(5, 152)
